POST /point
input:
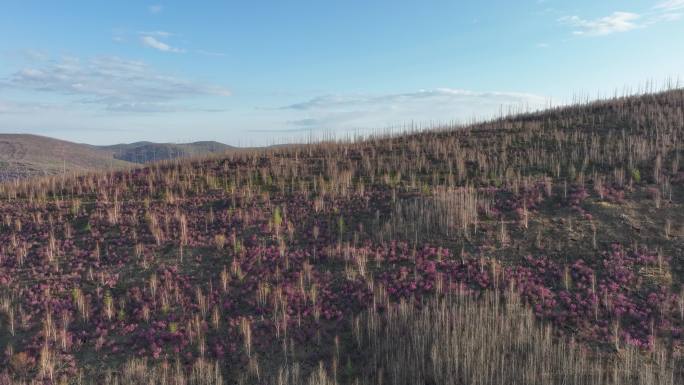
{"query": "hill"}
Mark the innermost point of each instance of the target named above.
(544, 248)
(24, 156)
(146, 152)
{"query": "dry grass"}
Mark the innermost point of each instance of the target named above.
(491, 340)
(284, 236)
(140, 372)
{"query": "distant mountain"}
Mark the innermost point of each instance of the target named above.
(23, 156)
(146, 152)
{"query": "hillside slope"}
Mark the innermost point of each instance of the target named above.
(364, 262)
(24, 156)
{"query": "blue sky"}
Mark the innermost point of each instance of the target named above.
(263, 72)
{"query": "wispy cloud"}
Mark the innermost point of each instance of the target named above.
(155, 8)
(116, 84)
(153, 42)
(614, 23)
(14, 107)
(671, 5)
(358, 111)
(439, 95)
(665, 11)
(159, 40)
(160, 34)
(211, 53)
(668, 11)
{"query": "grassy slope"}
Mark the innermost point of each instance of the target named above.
(295, 241)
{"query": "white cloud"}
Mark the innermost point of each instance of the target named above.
(668, 11)
(666, 16)
(15, 107)
(665, 11)
(614, 23)
(362, 111)
(160, 34)
(155, 8)
(671, 5)
(211, 53)
(160, 40)
(152, 42)
(114, 83)
(438, 95)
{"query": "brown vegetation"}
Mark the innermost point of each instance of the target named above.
(250, 262)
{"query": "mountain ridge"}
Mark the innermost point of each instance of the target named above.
(146, 152)
(28, 155)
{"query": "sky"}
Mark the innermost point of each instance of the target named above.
(260, 72)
